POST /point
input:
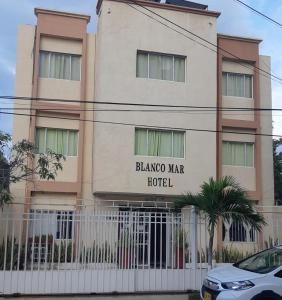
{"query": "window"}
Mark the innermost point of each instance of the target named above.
(237, 85)
(61, 141)
(64, 225)
(238, 154)
(160, 66)
(59, 66)
(238, 232)
(53, 224)
(164, 143)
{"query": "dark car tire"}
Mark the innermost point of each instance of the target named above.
(267, 295)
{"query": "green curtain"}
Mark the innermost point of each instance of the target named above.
(40, 140)
(165, 144)
(249, 155)
(142, 65)
(72, 143)
(154, 140)
(62, 141)
(237, 154)
(141, 147)
(178, 144)
(179, 69)
(51, 141)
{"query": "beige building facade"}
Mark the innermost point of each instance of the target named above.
(139, 110)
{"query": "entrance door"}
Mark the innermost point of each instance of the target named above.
(148, 229)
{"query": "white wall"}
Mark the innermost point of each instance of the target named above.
(118, 40)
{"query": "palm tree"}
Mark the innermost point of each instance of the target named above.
(222, 199)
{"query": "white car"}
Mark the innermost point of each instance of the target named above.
(258, 277)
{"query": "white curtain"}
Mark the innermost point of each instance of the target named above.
(167, 68)
(155, 66)
(60, 66)
(43, 223)
(248, 86)
(239, 85)
(179, 69)
(44, 64)
(142, 65)
(75, 67)
(224, 84)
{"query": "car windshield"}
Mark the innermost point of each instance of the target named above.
(263, 262)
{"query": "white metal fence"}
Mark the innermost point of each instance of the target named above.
(68, 252)
(53, 252)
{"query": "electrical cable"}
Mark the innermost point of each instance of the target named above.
(259, 13)
(279, 79)
(146, 126)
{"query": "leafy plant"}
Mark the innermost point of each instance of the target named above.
(20, 164)
(225, 200)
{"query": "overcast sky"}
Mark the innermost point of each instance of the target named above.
(235, 19)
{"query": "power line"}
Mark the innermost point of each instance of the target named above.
(259, 13)
(279, 79)
(137, 104)
(213, 110)
(145, 126)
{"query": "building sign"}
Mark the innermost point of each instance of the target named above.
(163, 169)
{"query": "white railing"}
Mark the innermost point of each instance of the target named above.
(57, 252)
(104, 251)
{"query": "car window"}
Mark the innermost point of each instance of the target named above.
(263, 262)
(279, 274)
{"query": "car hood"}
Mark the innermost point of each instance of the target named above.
(231, 273)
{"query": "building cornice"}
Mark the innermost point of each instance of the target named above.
(148, 3)
(239, 38)
(38, 11)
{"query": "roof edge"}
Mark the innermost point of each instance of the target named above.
(163, 6)
(61, 13)
(239, 38)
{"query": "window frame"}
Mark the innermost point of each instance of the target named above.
(163, 130)
(245, 153)
(49, 65)
(242, 74)
(166, 55)
(67, 140)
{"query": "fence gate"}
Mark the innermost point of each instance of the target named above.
(51, 252)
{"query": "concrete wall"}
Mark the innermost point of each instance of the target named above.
(23, 87)
(114, 159)
(266, 127)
